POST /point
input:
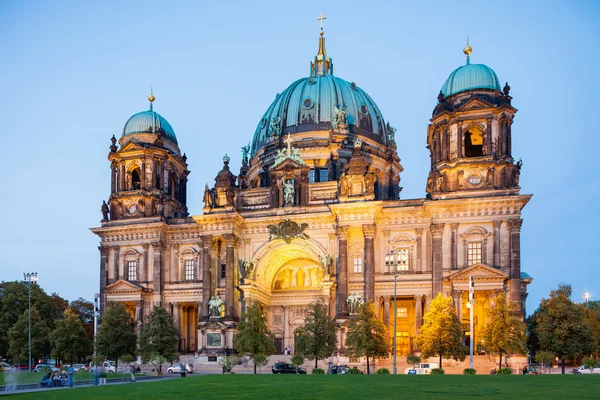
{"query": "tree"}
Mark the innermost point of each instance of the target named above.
(18, 338)
(441, 333)
(159, 337)
(545, 358)
(254, 338)
(593, 317)
(297, 360)
(85, 311)
(116, 336)
(367, 335)
(14, 302)
(505, 332)
(562, 327)
(413, 359)
(316, 339)
(68, 339)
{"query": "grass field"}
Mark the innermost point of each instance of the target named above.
(36, 377)
(346, 387)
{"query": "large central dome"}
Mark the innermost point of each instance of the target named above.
(309, 104)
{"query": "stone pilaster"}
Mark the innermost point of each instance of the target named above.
(419, 233)
(206, 275)
(103, 275)
(457, 302)
(454, 229)
(418, 313)
(369, 232)
(386, 312)
(496, 231)
(342, 278)
(157, 273)
(514, 227)
(437, 231)
(230, 242)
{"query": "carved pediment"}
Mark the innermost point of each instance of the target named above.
(481, 271)
(288, 164)
(123, 286)
(131, 146)
(475, 103)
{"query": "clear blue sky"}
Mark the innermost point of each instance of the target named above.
(72, 73)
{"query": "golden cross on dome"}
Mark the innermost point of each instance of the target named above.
(320, 19)
(289, 142)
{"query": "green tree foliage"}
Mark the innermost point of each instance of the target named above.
(367, 335)
(228, 362)
(18, 338)
(61, 304)
(68, 339)
(316, 339)
(505, 332)
(159, 337)
(254, 338)
(116, 336)
(14, 302)
(85, 312)
(533, 342)
(441, 333)
(545, 358)
(590, 363)
(562, 327)
(593, 317)
(297, 360)
(413, 359)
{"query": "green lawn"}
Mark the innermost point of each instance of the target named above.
(347, 387)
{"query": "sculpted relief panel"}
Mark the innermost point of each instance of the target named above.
(298, 275)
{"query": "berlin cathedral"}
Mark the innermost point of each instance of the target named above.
(315, 213)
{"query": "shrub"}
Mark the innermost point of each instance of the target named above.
(437, 371)
(297, 360)
(228, 362)
(469, 371)
(354, 371)
(383, 371)
(504, 371)
(318, 371)
(413, 359)
(590, 363)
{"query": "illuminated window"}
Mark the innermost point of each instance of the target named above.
(358, 265)
(401, 260)
(474, 142)
(473, 253)
(311, 176)
(132, 270)
(135, 179)
(323, 174)
(189, 270)
(402, 312)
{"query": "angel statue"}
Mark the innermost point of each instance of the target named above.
(288, 193)
(275, 127)
(245, 152)
(339, 120)
(354, 301)
(214, 305)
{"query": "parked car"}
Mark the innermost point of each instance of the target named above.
(76, 367)
(106, 366)
(583, 370)
(4, 366)
(43, 367)
(177, 368)
(285, 368)
(423, 368)
(338, 369)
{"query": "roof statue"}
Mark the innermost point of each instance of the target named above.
(339, 119)
(289, 152)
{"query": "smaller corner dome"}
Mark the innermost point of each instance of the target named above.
(471, 76)
(149, 122)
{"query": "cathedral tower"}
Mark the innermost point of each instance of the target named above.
(469, 137)
(148, 172)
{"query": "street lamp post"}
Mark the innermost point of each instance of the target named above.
(394, 262)
(29, 278)
(96, 310)
(586, 297)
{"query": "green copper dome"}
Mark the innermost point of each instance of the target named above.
(149, 122)
(470, 76)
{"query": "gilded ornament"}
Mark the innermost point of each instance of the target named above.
(287, 230)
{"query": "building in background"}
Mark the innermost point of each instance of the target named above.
(315, 212)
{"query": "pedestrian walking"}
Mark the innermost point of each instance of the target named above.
(132, 372)
(70, 373)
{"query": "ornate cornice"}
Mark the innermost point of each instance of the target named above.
(369, 230)
(206, 241)
(497, 223)
(514, 225)
(454, 226)
(437, 229)
(342, 232)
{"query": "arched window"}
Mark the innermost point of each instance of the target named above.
(474, 142)
(136, 179)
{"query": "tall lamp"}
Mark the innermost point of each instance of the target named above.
(96, 315)
(30, 278)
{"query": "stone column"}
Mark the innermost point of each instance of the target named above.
(139, 316)
(488, 138)
(113, 182)
(369, 232)
(484, 252)
(143, 177)
(342, 278)
(230, 241)
(428, 251)
(496, 229)
(122, 179)
(157, 275)
(142, 272)
(514, 227)
(206, 275)
(465, 253)
(454, 228)
(437, 231)
(459, 142)
(456, 302)
(418, 313)
(115, 264)
(419, 233)
(103, 275)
